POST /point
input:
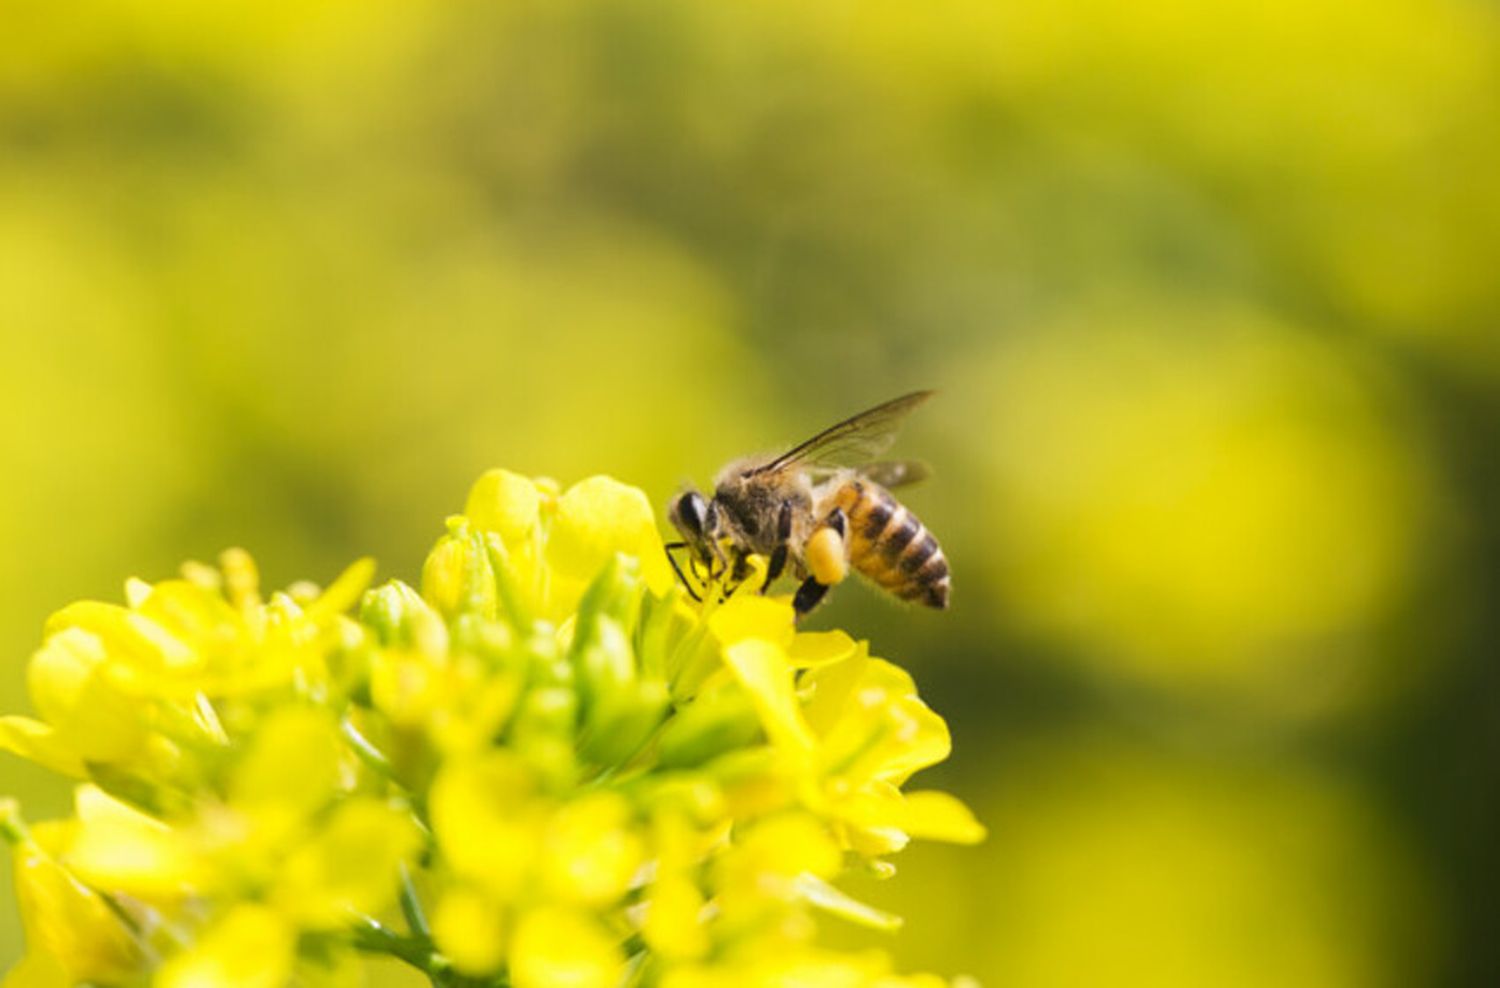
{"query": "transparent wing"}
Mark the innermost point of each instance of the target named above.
(856, 440)
(896, 473)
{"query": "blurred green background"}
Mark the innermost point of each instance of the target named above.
(1209, 290)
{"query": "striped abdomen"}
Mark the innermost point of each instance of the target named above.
(890, 546)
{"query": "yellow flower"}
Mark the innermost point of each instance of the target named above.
(850, 727)
(129, 688)
(349, 867)
(488, 820)
(763, 670)
(556, 543)
(673, 925)
(587, 773)
(72, 935)
(590, 851)
(250, 947)
(117, 847)
(261, 786)
(874, 732)
(71, 689)
(758, 874)
(559, 948)
(469, 928)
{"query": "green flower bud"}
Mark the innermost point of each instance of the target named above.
(548, 711)
(622, 721)
(543, 732)
(601, 652)
(396, 613)
(709, 726)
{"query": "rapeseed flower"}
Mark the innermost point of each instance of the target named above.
(545, 765)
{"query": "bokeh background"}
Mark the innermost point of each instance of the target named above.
(1210, 292)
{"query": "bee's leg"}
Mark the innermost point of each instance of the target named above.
(826, 553)
(686, 584)
(783, 538)
(717, 566)
(737, 572)
(774, 567)
(809, 595)
(826, 557)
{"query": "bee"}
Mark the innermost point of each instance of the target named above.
(821, 508)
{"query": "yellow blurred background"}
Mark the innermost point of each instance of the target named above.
(1209, 291)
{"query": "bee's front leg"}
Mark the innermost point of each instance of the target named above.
(687, 585)
(737, 571)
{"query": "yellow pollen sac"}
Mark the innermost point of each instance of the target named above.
(825, 557)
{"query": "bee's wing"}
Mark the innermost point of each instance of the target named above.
(855, 440)
(896, 473)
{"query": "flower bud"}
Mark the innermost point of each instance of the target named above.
(622, 720)
(542, 731)
(457, 577)
(601, 652)
(398, 614)
(713, 724)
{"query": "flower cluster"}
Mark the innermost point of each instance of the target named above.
(546, 767)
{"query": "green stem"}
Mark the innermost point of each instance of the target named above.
(12, 827)
(367, 752)
(373, 938)
(411, 906)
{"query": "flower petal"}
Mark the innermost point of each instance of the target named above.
(302, 736)
(557, 948)
(38, 970)
(762, 668)
(351, 868)
(468, 927)
(673, 925)
(832, 899)
(815, 649)
(591, 853)
(937, 815)
(70, 689)
(486, 818)
(251, 947)
(598, 517)
(118, 847)
(505, 503)
(753, 616)
(69, 922)
(38, 742)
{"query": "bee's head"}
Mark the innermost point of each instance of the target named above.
(697, 518)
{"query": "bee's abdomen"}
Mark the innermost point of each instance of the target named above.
(888, 544)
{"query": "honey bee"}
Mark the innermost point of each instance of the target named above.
(822, 507)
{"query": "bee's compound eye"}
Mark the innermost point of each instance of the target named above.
(690, 512)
